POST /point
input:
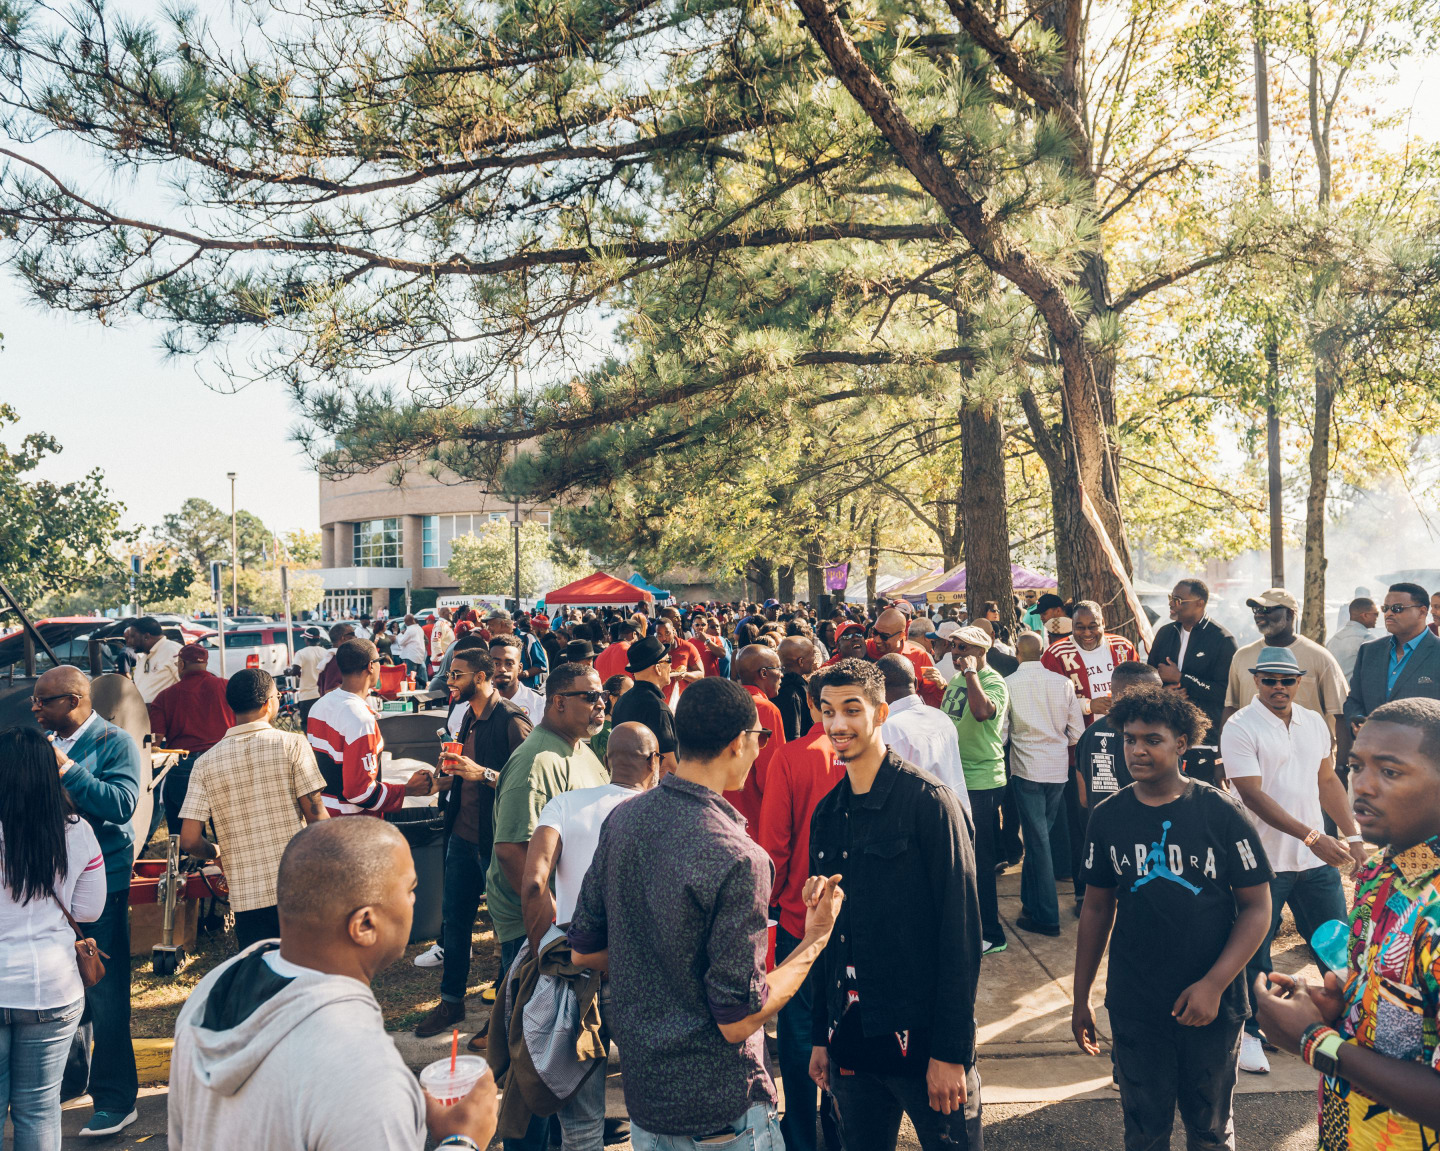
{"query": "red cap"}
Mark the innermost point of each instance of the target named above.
(846, 628)
(194, 653)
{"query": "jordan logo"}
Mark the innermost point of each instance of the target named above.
(1157, 865)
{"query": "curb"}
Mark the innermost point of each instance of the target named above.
(152, 1060)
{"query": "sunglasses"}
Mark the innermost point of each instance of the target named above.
(1397, 608)
(887, 635)
(763, 732)
(590, 697)
(1282, 680)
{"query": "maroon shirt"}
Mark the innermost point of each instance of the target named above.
(192, 714)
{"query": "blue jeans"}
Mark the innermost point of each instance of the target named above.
(1314, 896)
(756, 1130)
(464, 885)
(1039, 805)
(114, 1083)
(793, 1030)
(582, 1119)
(33, 1048)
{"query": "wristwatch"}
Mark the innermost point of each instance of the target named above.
(1320, 1047)
(458, 1141)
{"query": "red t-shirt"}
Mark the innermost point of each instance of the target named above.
(800, 776)
(685, 657)
(747, 800)
(612, 660)
(192, 714)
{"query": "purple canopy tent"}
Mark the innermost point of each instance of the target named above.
(1022, 579)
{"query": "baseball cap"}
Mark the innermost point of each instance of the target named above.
(1278, 660)
(194, 653)
(1274, 597)
(847, 628)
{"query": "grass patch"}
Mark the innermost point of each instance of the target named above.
(405, 992)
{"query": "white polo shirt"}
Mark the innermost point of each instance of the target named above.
(158, 670)
(1286, 758)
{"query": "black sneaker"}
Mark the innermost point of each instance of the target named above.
(1025, 923)
(988, 948)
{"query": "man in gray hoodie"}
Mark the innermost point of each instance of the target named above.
(285, 1046)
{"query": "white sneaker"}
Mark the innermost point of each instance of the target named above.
(435, 957)
(1252, 1056)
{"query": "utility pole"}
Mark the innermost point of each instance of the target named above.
(515, 522)
(1272, 347)
(234, 556)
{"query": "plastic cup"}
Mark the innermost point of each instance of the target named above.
(451, 749)
(446, 1087)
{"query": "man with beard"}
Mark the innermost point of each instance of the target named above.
(891, 629)
(507, 660)
(894, 1026)
(1322, 687)
(1192, 653)
(849, 643)
(491, 729)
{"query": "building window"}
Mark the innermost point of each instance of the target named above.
(377, 544)
(346, 604)
(499, 518)
(430, 541)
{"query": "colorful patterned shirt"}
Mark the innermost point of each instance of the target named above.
(1393, 995)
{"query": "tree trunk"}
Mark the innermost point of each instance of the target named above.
(872, 562)
(815, 573)
(1087, 466)
(983, 514)
(785, 580)
(761, 574)
(1312, 617)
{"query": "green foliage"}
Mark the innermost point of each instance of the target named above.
(53, 537)
(484, 563)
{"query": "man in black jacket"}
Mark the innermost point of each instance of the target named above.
(1192, 655)
(894, 1019)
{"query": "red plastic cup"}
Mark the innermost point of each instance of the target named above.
(450, 750)
(770, 945)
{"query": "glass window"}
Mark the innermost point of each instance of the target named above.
(499, 518)
(430, 541)
(377, 544)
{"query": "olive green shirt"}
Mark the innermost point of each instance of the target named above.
(982, 743)
(541, 768)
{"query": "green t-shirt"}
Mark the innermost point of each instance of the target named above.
(541, 768)
(982, 747)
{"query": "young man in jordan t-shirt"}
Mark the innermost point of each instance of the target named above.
(1178, 869)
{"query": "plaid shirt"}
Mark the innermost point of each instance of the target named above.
(248, 784)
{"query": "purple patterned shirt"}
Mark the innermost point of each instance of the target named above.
(678, 893)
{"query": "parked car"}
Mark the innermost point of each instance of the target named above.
(253, 645)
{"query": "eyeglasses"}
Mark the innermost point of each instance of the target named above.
(772, 671)
(590, 697)
(1282, 680)
(1397, 608)
(1181, 599)
(456, 673)
(42, 700)
(763, 732)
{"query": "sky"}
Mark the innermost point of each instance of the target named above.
(114, 400)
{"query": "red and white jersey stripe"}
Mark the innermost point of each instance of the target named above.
(343, 728)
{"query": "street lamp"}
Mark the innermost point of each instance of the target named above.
(234, 555)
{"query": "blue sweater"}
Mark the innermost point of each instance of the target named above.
(104, 781)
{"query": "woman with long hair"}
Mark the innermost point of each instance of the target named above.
(49, 861)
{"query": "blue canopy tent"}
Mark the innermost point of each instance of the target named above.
(641, 582)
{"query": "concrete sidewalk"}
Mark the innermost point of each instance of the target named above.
(1027, 1054)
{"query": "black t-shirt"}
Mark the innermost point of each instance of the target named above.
(1100, 760)
(643, 703)
(1175, 868)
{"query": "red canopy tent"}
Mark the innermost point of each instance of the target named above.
(598, 590)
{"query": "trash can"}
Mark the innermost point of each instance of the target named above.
(424, 830)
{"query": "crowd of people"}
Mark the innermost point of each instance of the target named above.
(688, 823)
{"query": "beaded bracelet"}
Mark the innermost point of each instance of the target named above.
(1312, 1038)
